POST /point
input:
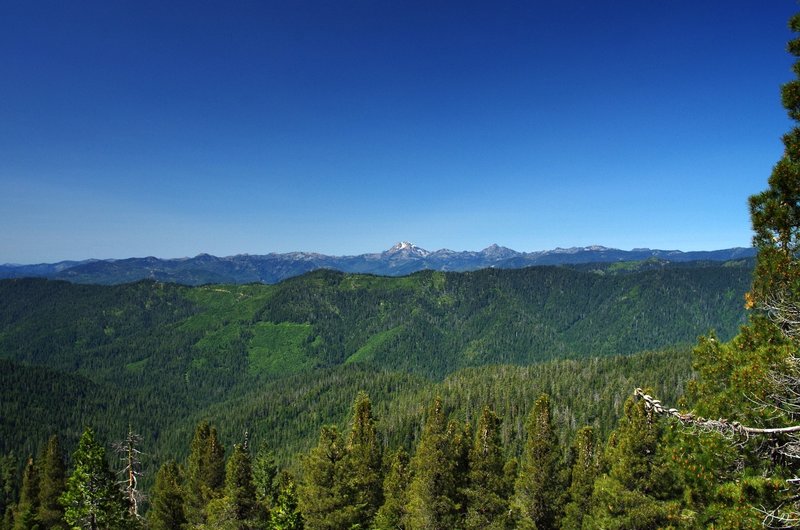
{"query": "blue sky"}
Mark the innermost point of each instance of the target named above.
(175, 128)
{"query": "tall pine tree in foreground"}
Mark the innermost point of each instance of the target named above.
(92, 500)
(488, 489)
(285, 514)
(205, 475)
(167, 500)
(582, 476)
(392, 514)
(537, 492)
(25, 514)
(265, 473)
(433, 491)
(322, 501)
(639, 491)
(52, 478)
(239, 487)
(361, 470)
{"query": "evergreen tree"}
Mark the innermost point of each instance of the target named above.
(392, 514)
(92, 499)
(8, 469)
(322, 501)
(639, 490)
(25, 514)
(537, 490)
(583, 474)
(488, 492)
(51, 486)
(205, 474)
(265, 472)
(286, 515)
(8, 519)
(239, 488)
(167, 503)
(461, 440)
(432, 495)
(775, 216)
(362, 475)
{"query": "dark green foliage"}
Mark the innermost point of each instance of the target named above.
(322, 501)
(582, 477)
(265, 473)
(775, 213)
(488, 487)
(236, 510)
(342, 480)
(231, 352)
(502, 316)
(433, 493)
(392, 514)
(92, 499)
(721, 483)
(286, 515)
(537, 491)
(239, 488)
(640, 489)
(205, 472)
(8, 489)
(27, 507)
(8, 519)
(167, 500)
(52, 481)
(361, 469)
(285, 359)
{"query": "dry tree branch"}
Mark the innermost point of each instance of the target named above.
(719, 425)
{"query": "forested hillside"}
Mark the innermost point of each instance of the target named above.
(282, 360)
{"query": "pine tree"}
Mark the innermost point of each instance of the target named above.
(361, 474)
(286, 515)
(433, 491)
(265, 472)
(8, 469)
(583, 474)
(27, 507)
(51, 486)
(322, 501)
(537, 490)
(239, 488)
(392, 514)
(775, 216)
(167, 503)
(92, 499)
(488, 491)
(205, 474)
(461, 440)
(8, 519)
(639, 490)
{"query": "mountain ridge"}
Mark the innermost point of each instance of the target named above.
(401, 259)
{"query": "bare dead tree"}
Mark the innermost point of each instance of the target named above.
(131, 470)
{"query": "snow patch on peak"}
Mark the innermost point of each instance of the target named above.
(407, 248)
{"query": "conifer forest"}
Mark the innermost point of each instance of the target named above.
(562, 397)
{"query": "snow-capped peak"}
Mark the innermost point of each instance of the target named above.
(406, 248)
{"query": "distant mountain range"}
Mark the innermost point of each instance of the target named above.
(402, 259)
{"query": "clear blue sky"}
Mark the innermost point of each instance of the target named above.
(169, 129)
